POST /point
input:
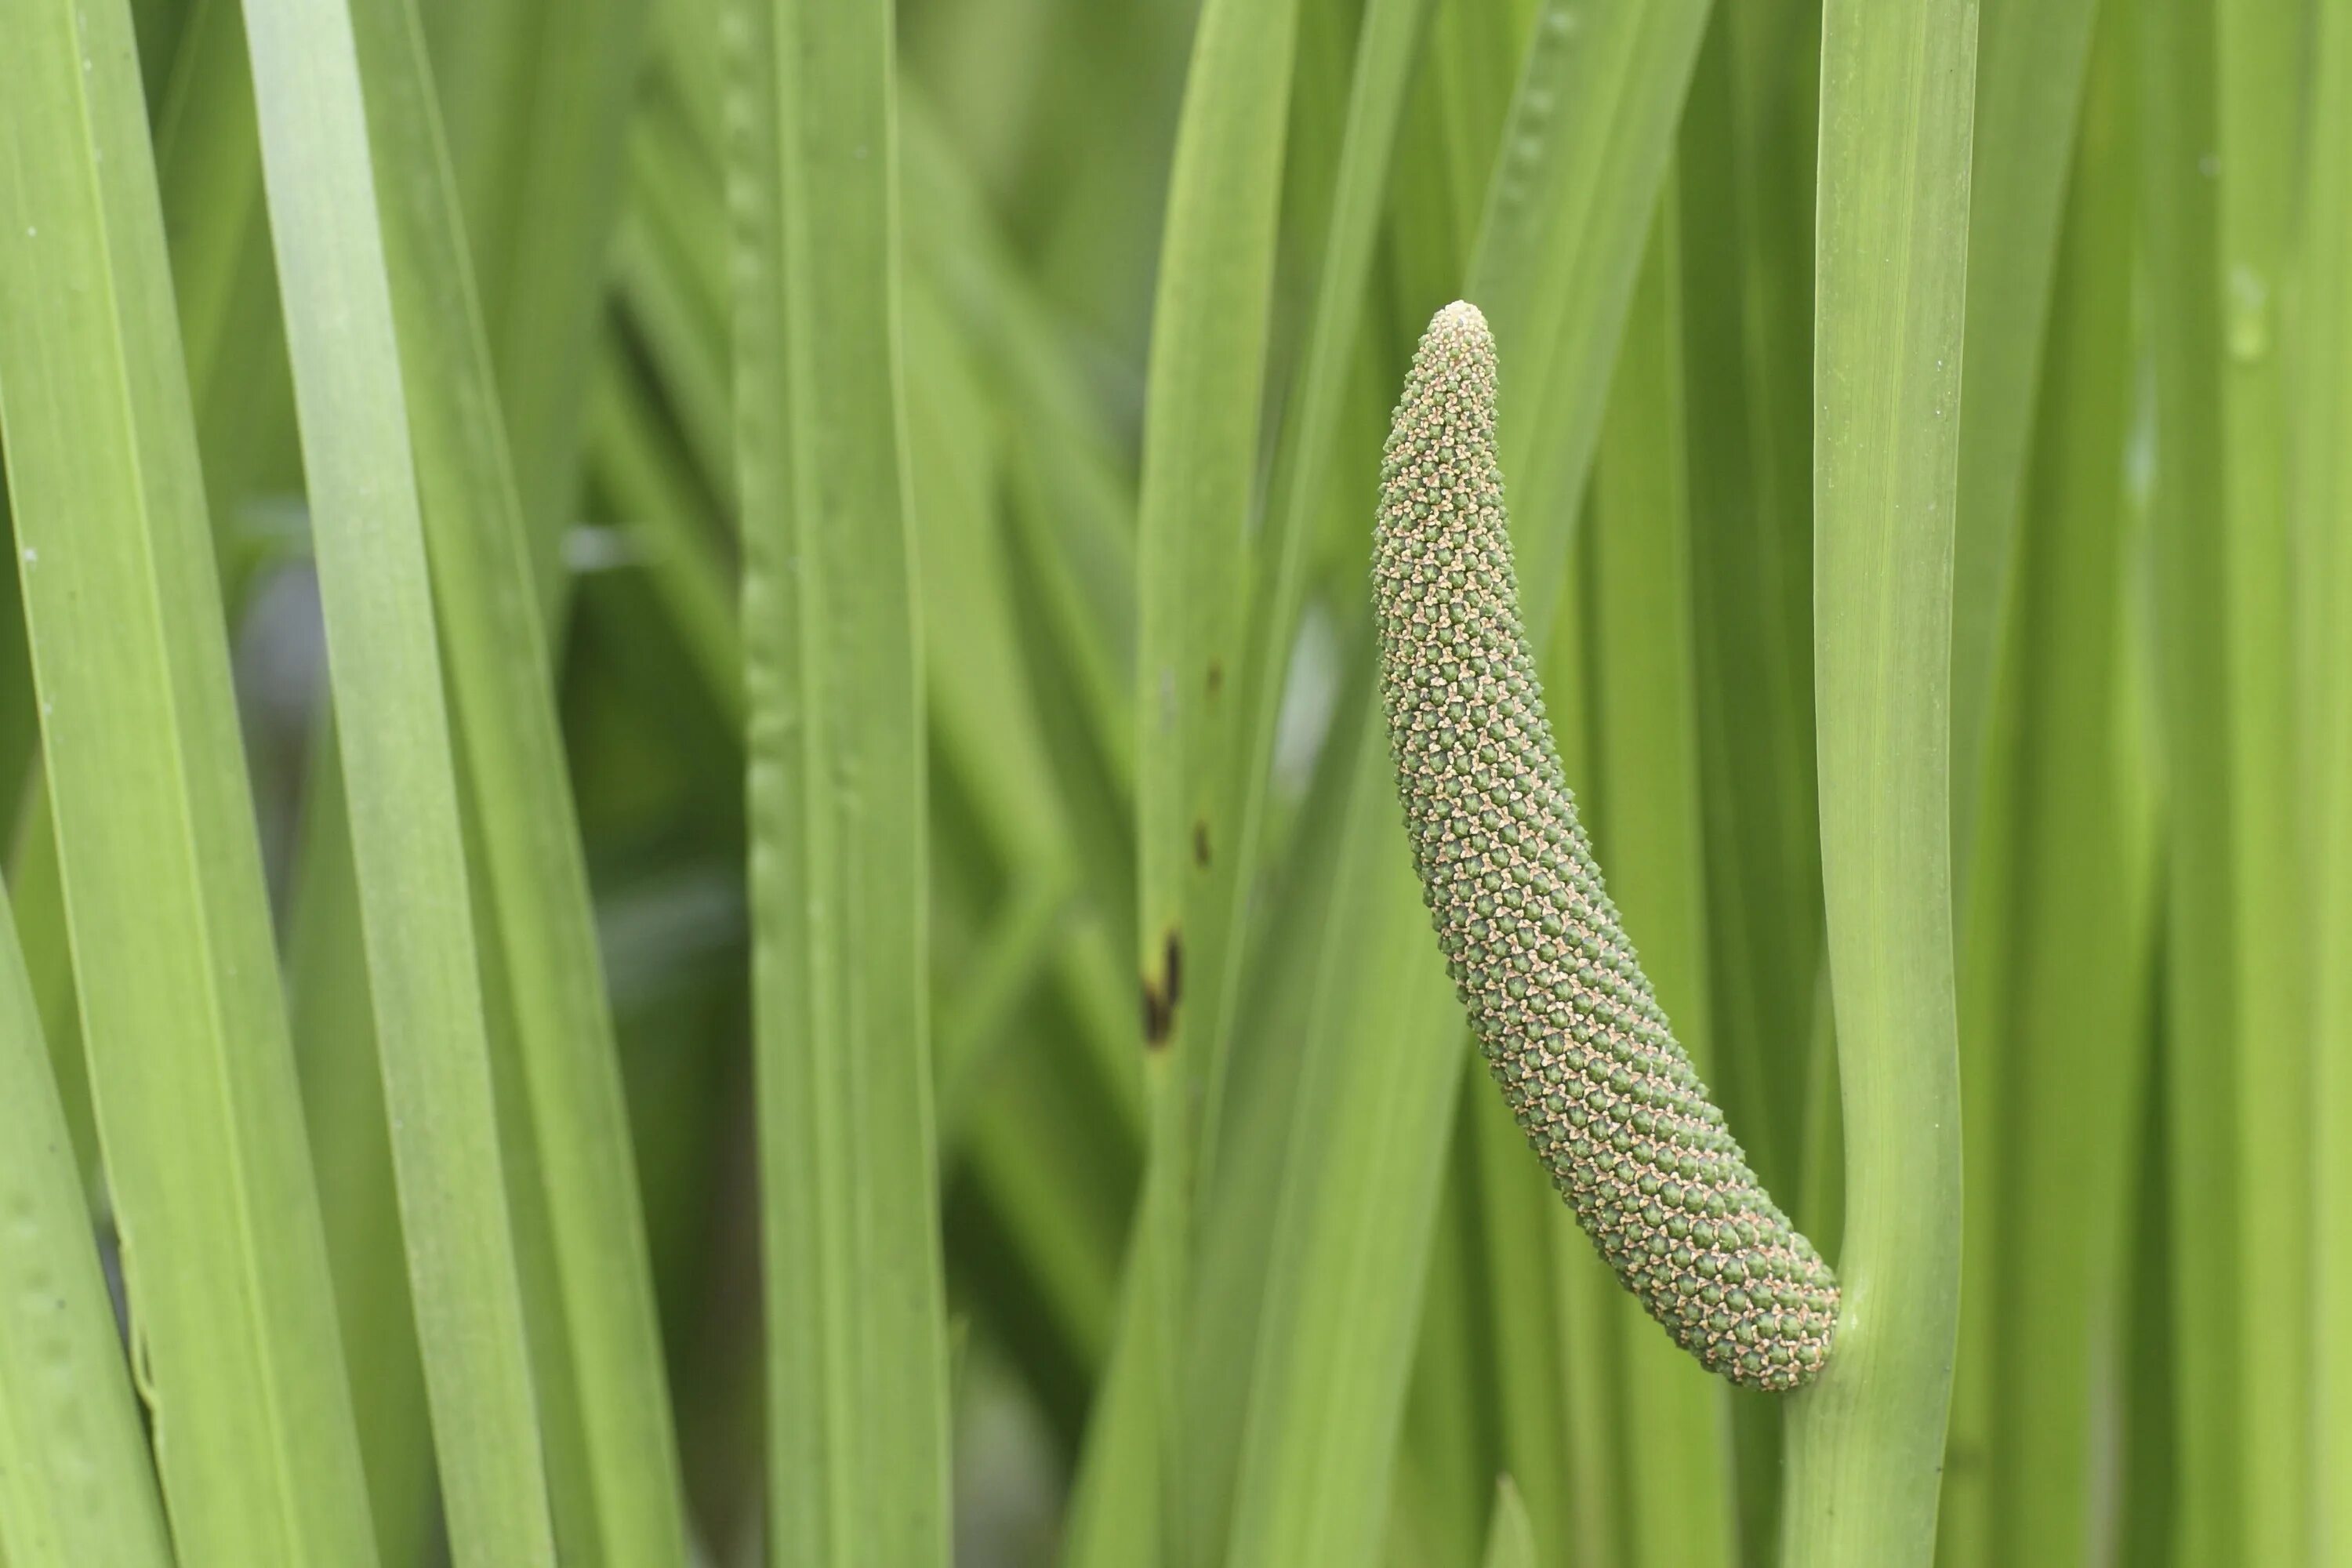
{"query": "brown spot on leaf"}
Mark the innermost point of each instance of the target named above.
(1199, 841)
(1159, 997)
(1216, 677)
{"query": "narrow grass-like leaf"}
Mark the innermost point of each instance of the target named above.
(1242, 1204)
(2324, 499)
(2146, 1532)
(682, 332)
(856, 1344)
(1745, 169)
(332, 1017)
(1592, 1323)
(1439, 1506)
(2029, 90)
(1426, 238)
(77, 1484)
(1071, 549)
(1750, 566)
(1200, 467)
(1114, 1502)
(2186, 504)
(227, 1268)
(1566, 214)
(2055, 973)
(2258, 116)
(669, 256)
(1323, 55)
(994, 750)
(386, 675)
(36, 881)
(1052, 1190)
(1043, 1156)
(541, 293)
(1384, 55)
(2028, 94)
(1867, 1442)
(1823, 1157)
(1472, 49)
(1238, 1226)
(990, 748)
(481, 52)
(208, 162)
(1645, 820)
(988, 762)
(1545, 1366)
(1202, 396)
(1359, 1196)
(608, 1342)
(1193, 584)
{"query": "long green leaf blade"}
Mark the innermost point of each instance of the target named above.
(609, 1344)
(1384, 55)
(2057, 968)
(1202, 396)
(856, 1347)
(77, 1485)
(541, 293)
(386, 675)
(1736, 168)
(2029, 95)
(1357, 1201)
(1745, 170)
(1867, 1442)
(1567, 218)
(2257, 114)
(1232, 1290)
(36, 881)
(2323, 497)
(2029, 91)
(1645, 817)
(185, 1032)
(1200, 467)
(208, 161)
(2187, 508)
(333, 1018)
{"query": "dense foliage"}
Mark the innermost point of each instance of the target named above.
(702, 867)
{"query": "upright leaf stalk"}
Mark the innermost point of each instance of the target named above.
(1866, 1443)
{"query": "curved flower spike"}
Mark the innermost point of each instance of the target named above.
(1566, 1019)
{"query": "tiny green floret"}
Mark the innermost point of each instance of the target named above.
(1562, 1012)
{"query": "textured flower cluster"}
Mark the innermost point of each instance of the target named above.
(1556, 996)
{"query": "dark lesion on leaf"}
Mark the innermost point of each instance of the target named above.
(1160, 995)
(1216, 675)
(1199, 841)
